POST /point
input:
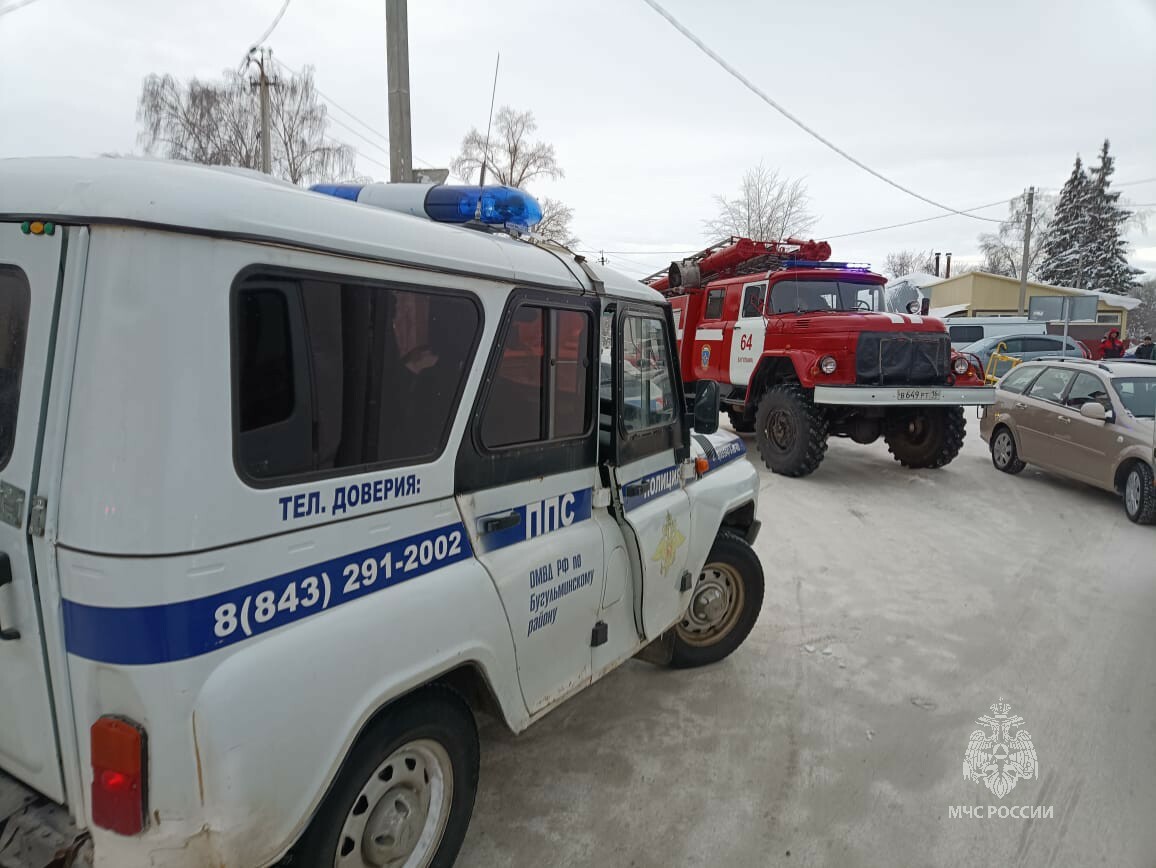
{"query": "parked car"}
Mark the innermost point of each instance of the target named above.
(1025, 347)
(1094, 421)
(966, 330)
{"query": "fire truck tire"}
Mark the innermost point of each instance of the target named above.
(791, 431)
(405, 792)
(925, 437)
(741, 422)
(724, 606)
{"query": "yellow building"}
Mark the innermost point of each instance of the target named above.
(978, 293)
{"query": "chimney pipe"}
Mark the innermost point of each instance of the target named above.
(937, 265)
(948, 273)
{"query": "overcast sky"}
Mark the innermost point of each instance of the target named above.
(965, 102)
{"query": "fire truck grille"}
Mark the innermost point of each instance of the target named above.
(902, 359)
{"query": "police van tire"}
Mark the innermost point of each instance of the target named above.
(927, 437)
(413, 770)
(741, 422)
(724, 606)
(791, 431)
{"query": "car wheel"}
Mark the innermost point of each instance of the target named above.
(1140, 494)
(405, 793)
(1003, 452)
(724, 605)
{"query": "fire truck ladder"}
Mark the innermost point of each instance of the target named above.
(731, 257)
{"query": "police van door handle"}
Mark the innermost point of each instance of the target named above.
(10, 634)
(495, 523)
(636, 489)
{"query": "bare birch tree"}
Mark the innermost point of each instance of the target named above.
(768, 207)
(515, 159)
(219, 123)
(901, 262)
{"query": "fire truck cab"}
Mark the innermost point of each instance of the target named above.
(807, 348)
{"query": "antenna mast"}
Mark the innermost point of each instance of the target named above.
(489, 125)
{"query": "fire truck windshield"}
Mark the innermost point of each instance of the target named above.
(810, 295)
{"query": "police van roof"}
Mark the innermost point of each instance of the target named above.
(243, 204)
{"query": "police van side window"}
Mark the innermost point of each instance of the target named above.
(648, 399)
(540, 388)
(334, 375)
(14, 299)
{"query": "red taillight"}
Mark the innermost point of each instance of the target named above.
(119, 775)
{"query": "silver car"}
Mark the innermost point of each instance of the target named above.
(1092, 421)
(1025, 347)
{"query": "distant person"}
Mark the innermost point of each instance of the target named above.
(1111, 347)
(1147, 349)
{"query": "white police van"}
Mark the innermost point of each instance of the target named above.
(291, 486)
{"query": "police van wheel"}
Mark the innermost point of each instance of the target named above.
(791, 431)
(925, 436)
(405, 793)
(724, 605)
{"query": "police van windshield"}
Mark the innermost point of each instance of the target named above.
(1138, 395)
(808, 296)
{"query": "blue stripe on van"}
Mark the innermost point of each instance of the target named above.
(141, 635)
(536, 519)
(647, 488)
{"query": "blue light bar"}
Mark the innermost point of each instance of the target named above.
(500, 206)
(341, 191)
(842, 266)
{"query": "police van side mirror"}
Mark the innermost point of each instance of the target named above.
(707, 400)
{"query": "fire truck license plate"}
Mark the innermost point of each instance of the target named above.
(919, 394)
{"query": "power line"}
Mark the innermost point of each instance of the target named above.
(12, 7)
(653, 4)
(272, 27)
(1132, 183)
(334, 104)
(913, 222)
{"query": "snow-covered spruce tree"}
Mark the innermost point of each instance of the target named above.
(1106, 265)
(1068, 233)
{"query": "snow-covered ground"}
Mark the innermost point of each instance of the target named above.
(900, 605)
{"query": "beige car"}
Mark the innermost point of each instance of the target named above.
(1089, 420)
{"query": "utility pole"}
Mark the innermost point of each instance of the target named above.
(266, 149)
(1027, 249)
(397, 64)
(262, 84)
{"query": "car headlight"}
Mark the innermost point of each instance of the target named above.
(827, 364)
(960, 366)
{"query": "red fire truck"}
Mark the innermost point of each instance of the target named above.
(804, 348)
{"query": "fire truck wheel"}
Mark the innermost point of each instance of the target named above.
(925, 436)
(741, 422)
(406, 791)
(724, 605)
(791, 431)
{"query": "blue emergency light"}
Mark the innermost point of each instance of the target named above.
(842, 266)
(445, 203)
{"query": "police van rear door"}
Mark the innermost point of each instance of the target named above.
(31, 263)
(526, 478)
(651, 503)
